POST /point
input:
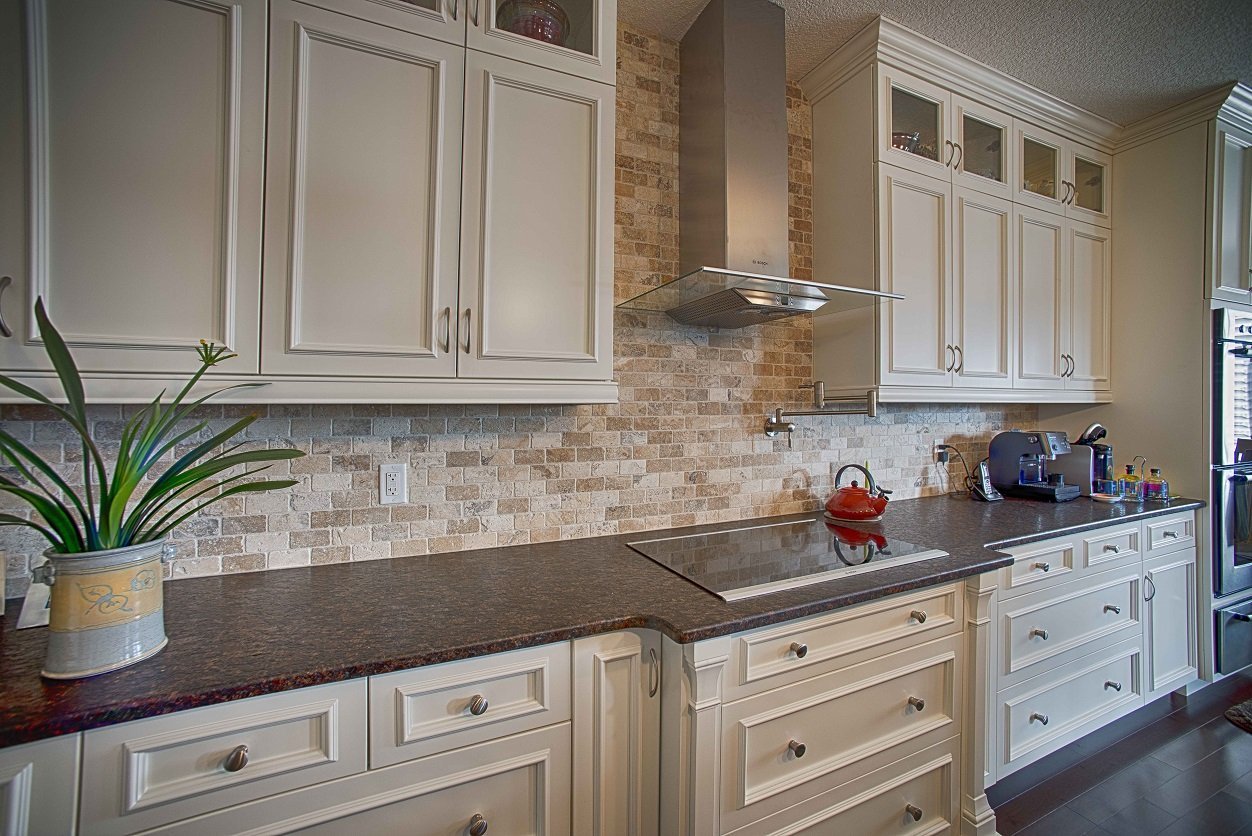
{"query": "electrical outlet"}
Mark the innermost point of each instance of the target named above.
(393, 484)
(937, 452)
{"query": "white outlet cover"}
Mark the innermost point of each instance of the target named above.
(393, 484)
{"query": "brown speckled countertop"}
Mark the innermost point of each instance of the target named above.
(236, 636)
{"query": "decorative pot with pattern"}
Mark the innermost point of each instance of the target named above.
(106, 608)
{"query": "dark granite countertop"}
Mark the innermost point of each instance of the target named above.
(237, 636)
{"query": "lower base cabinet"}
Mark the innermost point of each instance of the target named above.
(39, 787)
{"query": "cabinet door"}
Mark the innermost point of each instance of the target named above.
(1041, 300)
(1040, 169)
(583, 44)
(39, 787)
(1170, 626)
(1089, 180)
(914, 228)
(536, 224)
(984, 148)
(146, 130)
(362, 198)
(441, 19)
(617, 717)
(982, 289)
(1230, 229)
(914, 125)
(1089, 252)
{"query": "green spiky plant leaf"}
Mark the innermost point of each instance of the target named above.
(118, 508)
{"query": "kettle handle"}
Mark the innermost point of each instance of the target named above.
(869, 478)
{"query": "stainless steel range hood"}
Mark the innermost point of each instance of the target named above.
(734, 254)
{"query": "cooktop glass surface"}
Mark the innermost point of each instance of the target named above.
(756, 560)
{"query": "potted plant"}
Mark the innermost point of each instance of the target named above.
(109, 536)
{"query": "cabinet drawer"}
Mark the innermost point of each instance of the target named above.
(1166, 534)
(783, 746)
(1048, 711)
(426, 710)
(775, 656)
(1109, 548)
(1039, 627)
(1037, 566)
(881, 803)
(151, 772)
(520, 785)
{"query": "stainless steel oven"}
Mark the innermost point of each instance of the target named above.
(1232, 452)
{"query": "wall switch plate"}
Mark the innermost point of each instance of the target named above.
(393, 484)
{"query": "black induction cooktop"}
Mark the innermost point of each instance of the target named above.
(759, 559)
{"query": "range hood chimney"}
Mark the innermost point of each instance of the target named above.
(734, 251)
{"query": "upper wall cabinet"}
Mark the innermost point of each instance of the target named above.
(1061, 176)
(1230, 258)
(422, 242)
(578, 37)
(143, 146)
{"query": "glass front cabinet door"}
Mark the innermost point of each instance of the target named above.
(984, 148)
(913, 124)
(1088, 184)
(1040, 167)
(573, 36)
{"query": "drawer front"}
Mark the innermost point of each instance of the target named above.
(775, 656)
(1167, 534)
(426, 710)
(880, 803)
(1110, 548)
(1058, 707)
(520, 785)
(784, 745)
(1044, 625)
(1037, 566)
(150, 772)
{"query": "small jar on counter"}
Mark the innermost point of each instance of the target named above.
(1131, 485)
(1155, 488)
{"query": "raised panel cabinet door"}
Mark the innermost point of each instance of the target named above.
(617, 715)
(144, 137)
(1231, 225)
(1090, 258)
(441, 19)
(586, 47)
(537, 224)
(1170, 638)
(985, 159)
(1090, 185)
(1041, 299)
(914, 230)
(362, 198)
(982, 289)
(914, 124)
(39, 787)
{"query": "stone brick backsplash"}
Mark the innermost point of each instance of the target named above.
(684, 445)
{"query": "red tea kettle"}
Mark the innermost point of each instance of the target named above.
(854, 503)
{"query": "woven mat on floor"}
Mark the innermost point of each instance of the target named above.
(1241, 715)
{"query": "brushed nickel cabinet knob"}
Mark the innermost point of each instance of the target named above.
(478, 705)
(1042, 718)
(477, 825)
(1116, 686)
(1040, 632)
(799, 649)
(914, 811)
(797, 748)
(919, 616)
(1116, 610)
(917, 703)
(1042, 566)
(236, 760)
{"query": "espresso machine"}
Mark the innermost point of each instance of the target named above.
(1087, 462)
(1018, 461)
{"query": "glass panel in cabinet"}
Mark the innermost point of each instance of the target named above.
(915, 124)
(429, 5)
(1088, 185)
(983, 147)
(567, 23)
(1039, 167)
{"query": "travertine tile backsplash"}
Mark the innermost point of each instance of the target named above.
(684, 446)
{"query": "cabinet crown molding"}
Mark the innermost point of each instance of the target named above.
(1231, 103)
(886, 41)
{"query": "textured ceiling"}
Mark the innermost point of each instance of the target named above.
(1121, 59)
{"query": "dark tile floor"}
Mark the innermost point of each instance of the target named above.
(1175, 768)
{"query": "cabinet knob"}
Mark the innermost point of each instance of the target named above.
(914, 811)
(1112, 548)
(1116, 686)
(799, 649)
(478, 705)
(1171, 534)
(919, 616)
(236, 760)
(1113, 609)
(797, 748)
(1042, 566)
(477, 825)
(1042, 718)
(1040, 632)
(917, 703)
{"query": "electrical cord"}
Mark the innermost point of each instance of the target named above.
(969, 479)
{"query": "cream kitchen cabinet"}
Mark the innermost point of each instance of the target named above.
(1171, 644)
(948, 250)
(143, 220)
(1059, 175)
(589, 51)
(1230, 214)
(1063, 317)
(39, 787)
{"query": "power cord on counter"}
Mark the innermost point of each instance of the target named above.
(942, 456)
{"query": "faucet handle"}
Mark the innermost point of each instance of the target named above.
(819, 393)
